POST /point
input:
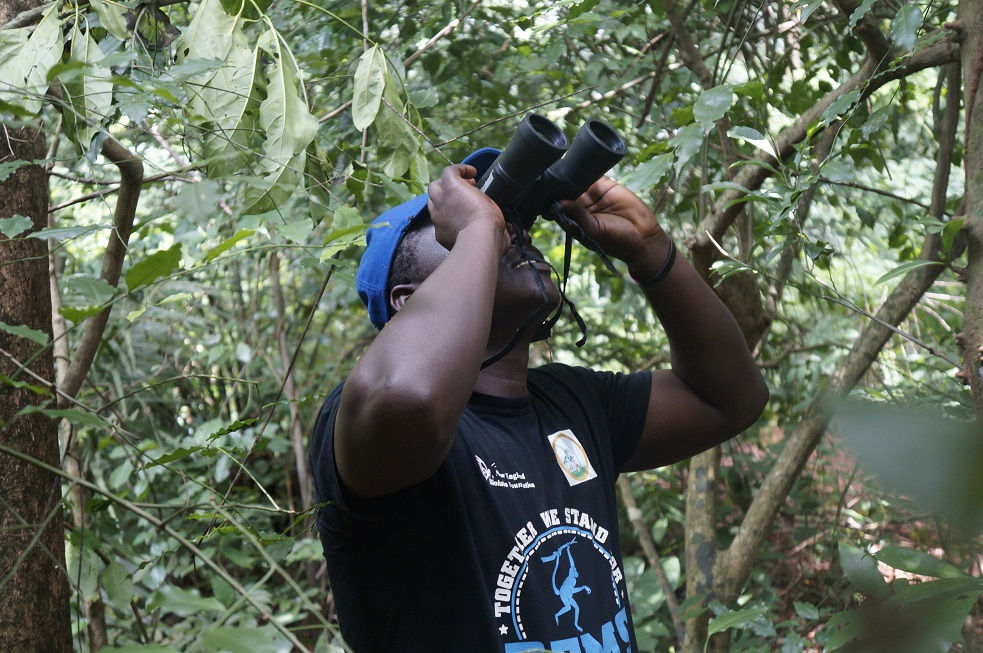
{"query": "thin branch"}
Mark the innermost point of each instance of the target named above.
(164, 176)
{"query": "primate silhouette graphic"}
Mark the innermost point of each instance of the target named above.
(569, 586)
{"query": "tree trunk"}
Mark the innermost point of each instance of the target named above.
(971, 21)
(34, 608)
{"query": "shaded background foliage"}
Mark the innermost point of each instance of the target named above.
(271, 133)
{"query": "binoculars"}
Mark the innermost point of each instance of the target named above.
(536, 168)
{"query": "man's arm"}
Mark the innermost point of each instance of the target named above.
(403, 399)
(713, 390)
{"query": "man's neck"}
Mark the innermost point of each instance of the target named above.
(506, 377)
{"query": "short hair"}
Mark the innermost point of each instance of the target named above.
(406, 266)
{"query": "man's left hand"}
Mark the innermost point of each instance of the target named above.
(624, 227)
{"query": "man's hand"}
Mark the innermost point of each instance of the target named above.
(455, 203)
(621, 223)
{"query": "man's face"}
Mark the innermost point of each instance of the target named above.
(517, 295)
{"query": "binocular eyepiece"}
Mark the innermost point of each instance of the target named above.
(537, 168)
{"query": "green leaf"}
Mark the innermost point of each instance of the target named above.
(83, 566)
(752, 136)
(89, 94)
(36, 389)
(860, 12)
(241, 638)
(839, 106)
(905, 268)
(861, 570)
(806, 8)
(736, 619)
(649, 173)
(118, 585)
(845, 627)
(288, 127)
(806, 610)
(8, 168)
(113, 17)
(949, 233)
(905, 26)
(138, 648)
(713, 104)
(25, 61)
(75, 416)
(182, 602)
(157, 265)
(171, 456)
(22, 331)
(687, 142)
(369, 87)
(196, 202)
(228, 244)
(398, 143)
(64, 233)
(219, 98)
(917, 562)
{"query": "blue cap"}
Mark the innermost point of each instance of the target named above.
(383, 238)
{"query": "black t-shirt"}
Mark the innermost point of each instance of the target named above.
(511, 545)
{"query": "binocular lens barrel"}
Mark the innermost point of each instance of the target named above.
(535, 145)
(536, 168)
(595, 150)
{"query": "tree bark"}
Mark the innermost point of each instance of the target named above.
(34, 599)
(971, 21)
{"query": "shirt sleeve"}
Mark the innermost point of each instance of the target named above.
(329, 490)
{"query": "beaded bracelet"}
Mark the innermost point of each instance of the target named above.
(661, 274)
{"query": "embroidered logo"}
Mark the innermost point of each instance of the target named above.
(571, 457)
(498, 478)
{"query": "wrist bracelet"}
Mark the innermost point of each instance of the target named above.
(662, 273)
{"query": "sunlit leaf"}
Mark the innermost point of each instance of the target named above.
(861, 570)
(25, 61)
(369, 85)
(89, 93)
(905, 26)
(905, 268)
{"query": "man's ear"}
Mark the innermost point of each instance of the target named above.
(400, 293)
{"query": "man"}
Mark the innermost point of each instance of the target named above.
(473, 509)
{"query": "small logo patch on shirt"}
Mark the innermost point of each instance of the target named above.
(498, 478)
(571, 457)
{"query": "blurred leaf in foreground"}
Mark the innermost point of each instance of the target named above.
(933, 460)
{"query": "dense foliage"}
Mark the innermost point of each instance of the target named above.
(271, 133)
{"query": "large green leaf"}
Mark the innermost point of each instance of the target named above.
(370, 84)
(905, 26)
(25, 61)
(113, 16)
(89, 94)
(157, 265)
(861, 570)
(219, 98)
(712, 104)
(288, 128)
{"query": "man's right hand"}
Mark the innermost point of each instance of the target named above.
(455, 203)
